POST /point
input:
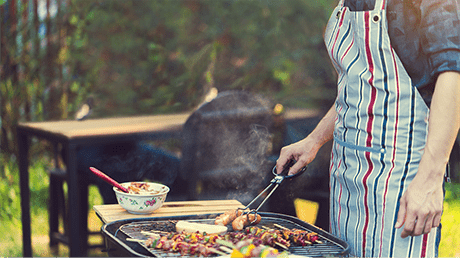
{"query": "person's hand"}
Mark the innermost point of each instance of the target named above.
(303, 152)
(420, 207)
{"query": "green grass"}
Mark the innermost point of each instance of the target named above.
(10, 215)
(450, 233)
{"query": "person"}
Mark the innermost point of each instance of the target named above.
(393, 124)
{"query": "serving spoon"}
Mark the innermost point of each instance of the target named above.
(108, 179)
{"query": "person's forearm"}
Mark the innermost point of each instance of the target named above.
(323, 132)
(421, 205)
(444, 122)
(304, 151)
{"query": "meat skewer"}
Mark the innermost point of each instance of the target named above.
(205, 244)
(186, 243)
(271, 237)
(251, 248)
(300, 237)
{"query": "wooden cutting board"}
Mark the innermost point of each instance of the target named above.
(112, 212)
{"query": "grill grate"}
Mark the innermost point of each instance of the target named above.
(330, 246)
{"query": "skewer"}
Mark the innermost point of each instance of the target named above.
(279, 226)
(214, 250)
(211, 249)
(226, 246)
(156, 231)
(135, 240)
(225, 243)
(308, 242)
(282, 246)
(226, 249)
(150, 234)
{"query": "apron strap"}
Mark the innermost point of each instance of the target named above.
(380, 4)
(341, 3)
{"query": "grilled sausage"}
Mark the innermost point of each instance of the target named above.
(245, 220)
(227, 217)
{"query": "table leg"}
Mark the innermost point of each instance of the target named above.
(77, 236)
(23, 159)
(55, 190)
(84, 215)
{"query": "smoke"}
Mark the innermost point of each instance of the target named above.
(256, 148)
(237, 158)
(226, 144)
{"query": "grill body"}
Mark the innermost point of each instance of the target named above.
(226, 143)
(115, 234)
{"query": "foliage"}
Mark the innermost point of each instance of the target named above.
(10, 217)
(145, 57)
(162, 56)
(9, 193)
(452, 192)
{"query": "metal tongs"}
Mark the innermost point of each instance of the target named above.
(276, 181)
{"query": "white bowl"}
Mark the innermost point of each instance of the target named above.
(142, 203)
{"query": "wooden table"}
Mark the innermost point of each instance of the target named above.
(113, 212)
(72, 135)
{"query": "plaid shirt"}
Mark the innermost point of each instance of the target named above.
(425, 34)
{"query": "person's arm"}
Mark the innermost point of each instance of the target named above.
(304, 151)
(421, 204)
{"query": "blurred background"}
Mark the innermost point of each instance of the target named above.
(139, 57)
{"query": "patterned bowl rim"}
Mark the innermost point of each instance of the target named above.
(142, 195)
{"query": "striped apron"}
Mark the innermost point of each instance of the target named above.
(379, 137)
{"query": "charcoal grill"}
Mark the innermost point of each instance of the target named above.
(116, 233)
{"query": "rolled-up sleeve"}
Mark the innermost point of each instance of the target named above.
(440, 34)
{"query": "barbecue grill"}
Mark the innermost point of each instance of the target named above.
(225, 147)
(116, 233)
